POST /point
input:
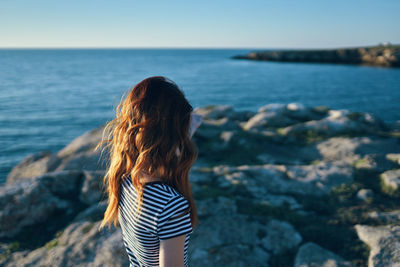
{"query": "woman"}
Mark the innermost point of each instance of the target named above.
(147, 180)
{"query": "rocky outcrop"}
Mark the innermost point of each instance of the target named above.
(382, 55)
(384, 242)
(277, 187)
(27, 203)
(33, 165)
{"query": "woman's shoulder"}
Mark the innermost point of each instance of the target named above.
(171, 197)
(164, 190)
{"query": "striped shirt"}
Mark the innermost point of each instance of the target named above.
(159, 220)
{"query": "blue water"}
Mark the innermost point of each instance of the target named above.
(49, 97)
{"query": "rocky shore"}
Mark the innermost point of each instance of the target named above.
(381, 55)
(288, 185)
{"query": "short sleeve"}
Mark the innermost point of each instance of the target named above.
(174, 219)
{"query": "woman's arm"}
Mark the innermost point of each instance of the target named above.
(172, 252)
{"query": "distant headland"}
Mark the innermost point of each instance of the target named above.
(384, 55)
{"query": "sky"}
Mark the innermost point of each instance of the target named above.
(198, 24)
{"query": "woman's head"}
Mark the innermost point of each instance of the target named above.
(151, 124)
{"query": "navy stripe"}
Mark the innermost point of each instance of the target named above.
(159, 220)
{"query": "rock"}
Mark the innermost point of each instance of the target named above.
(395, 157)
(92, 187)
(241, 116)
(28, 202)
(276, 153)
(227, 255)
(280, 236)
(217, 112)
(211, 130)
(336, 123)
(272, 107)
(317, 179)
(367, 162)
(387, 217)
(391, 180)
(341, 148)
(279, 115)
(267, 119)
(360, 152)
(295, 106)
(323, 176)
(300, 113)
(312, 255)
(80, 244)
(82, 161)
(80, 154)
(365, 194)
(226, 136)
(384, 243)
(222, 233)
(93, 213)
(33, 165)
(214, 112)
(276, 200)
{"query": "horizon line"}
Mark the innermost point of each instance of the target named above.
(182, 47)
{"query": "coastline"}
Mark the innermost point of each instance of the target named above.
(285, 185)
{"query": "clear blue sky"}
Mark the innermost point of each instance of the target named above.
(206, 23)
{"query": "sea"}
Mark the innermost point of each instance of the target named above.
(48, 97)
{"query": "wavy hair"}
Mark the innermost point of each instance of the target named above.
(151, 123)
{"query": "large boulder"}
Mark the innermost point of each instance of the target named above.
(29, 202)
(33, 165)
(384, 243)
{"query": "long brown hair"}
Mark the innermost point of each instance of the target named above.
(151, 123)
